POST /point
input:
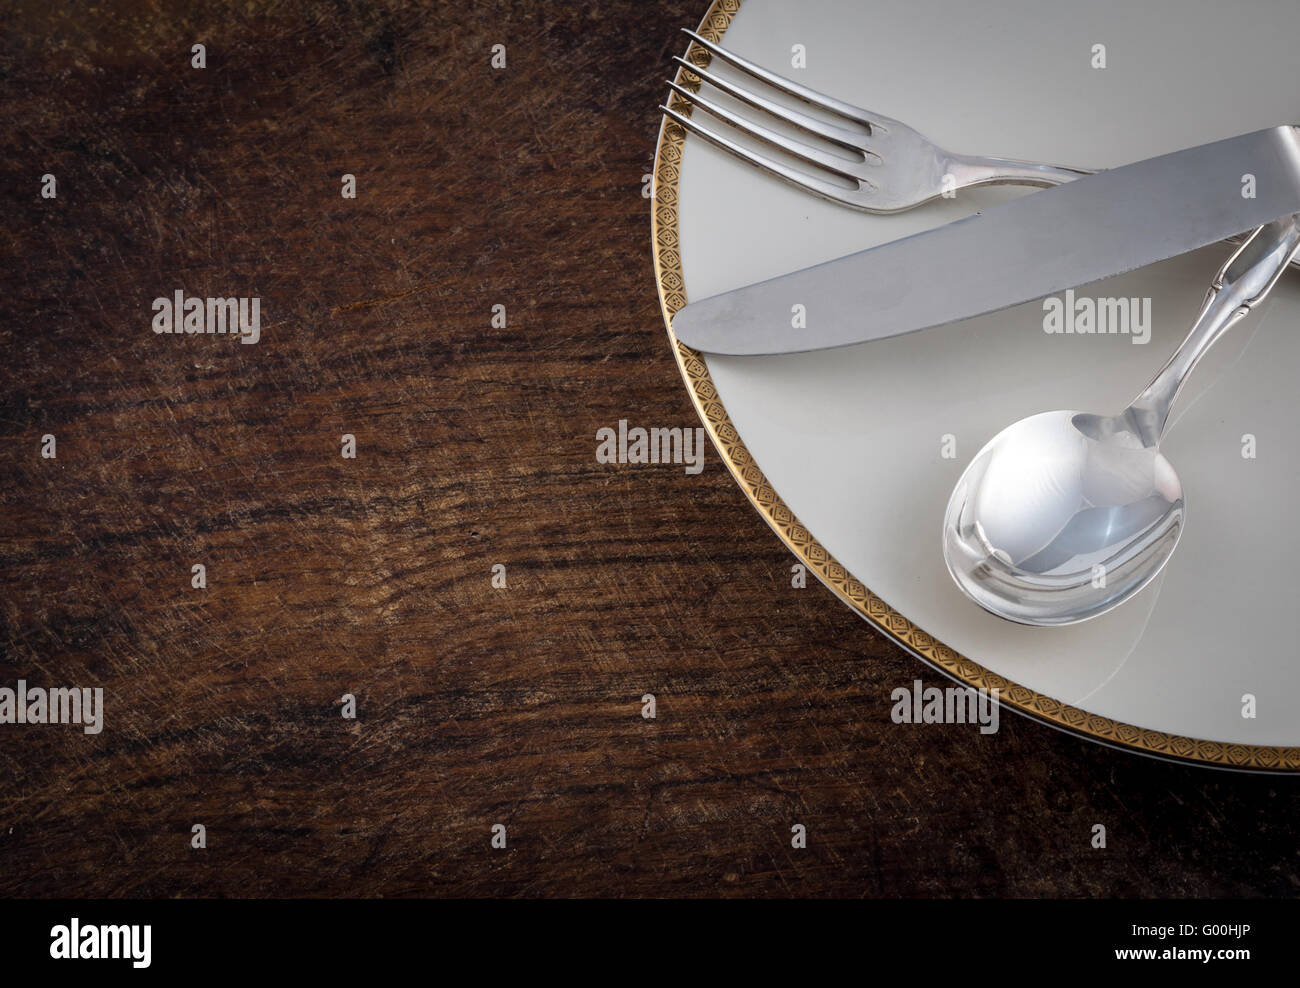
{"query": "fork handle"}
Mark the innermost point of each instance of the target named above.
(975, 170)
(971, 170)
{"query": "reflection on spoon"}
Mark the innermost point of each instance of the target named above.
(1065, 515)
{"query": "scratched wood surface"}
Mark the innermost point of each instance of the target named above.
(475, 446)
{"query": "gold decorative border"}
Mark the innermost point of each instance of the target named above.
(672, 296)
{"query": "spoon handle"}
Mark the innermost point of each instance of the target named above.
(1241, 284)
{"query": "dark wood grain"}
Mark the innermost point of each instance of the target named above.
(475, 447)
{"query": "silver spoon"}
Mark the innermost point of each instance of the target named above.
(1065, 515)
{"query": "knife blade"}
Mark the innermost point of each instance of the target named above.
(1092, 228)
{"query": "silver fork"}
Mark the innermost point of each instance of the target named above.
(897, 168)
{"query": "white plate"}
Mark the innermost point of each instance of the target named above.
(842, 450)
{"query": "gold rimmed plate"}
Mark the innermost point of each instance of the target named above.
(850, 455)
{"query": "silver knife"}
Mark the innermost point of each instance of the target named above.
(1092, 228)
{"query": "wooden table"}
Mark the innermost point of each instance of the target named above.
(475, 446)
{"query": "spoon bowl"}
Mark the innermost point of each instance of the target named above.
(1060, 517)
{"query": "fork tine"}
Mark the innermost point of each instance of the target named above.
(817, 186)
(787, 85)
(837, 135)
(805, 152)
